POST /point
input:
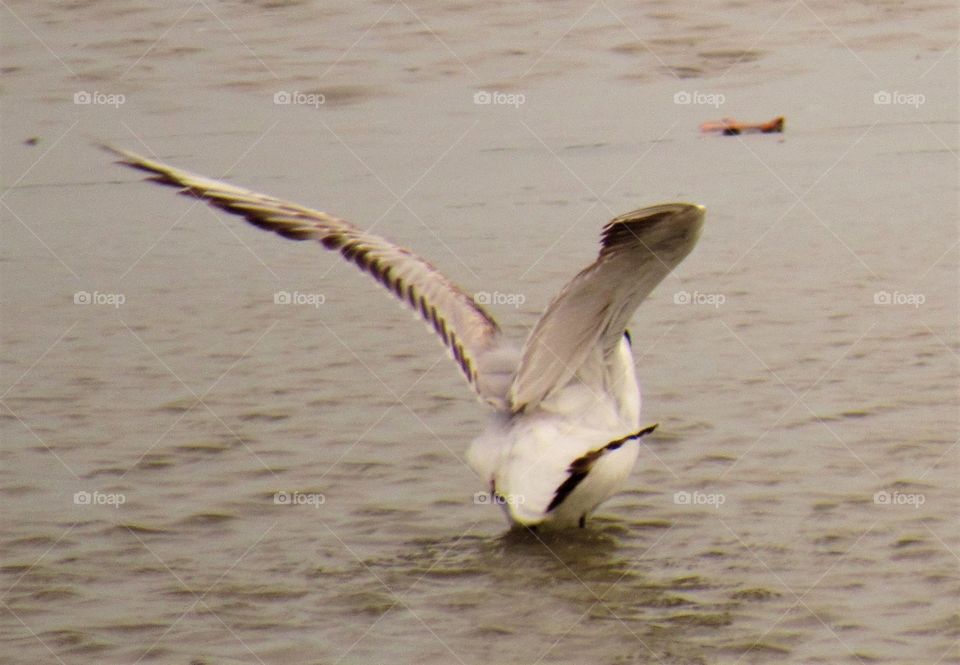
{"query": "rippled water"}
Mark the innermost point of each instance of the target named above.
(798, 502)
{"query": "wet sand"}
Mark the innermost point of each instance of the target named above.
(798, 502)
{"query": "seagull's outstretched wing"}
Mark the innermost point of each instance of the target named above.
(588, 318)
(464, 327)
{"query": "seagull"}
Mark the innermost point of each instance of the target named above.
(565, 430)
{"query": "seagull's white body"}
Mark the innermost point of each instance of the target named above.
(565, 432)
(525, 459)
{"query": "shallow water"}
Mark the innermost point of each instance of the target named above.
(788, 393)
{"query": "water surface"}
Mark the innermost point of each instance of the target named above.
(802, 363)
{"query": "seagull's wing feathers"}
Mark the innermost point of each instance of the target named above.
(585, 322)
(463, 326)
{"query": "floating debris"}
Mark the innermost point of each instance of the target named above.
(731, 127)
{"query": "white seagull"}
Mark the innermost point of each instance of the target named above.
(565, 431)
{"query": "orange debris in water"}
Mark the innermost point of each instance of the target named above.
(731, 127)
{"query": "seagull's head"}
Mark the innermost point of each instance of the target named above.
(668, 230)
